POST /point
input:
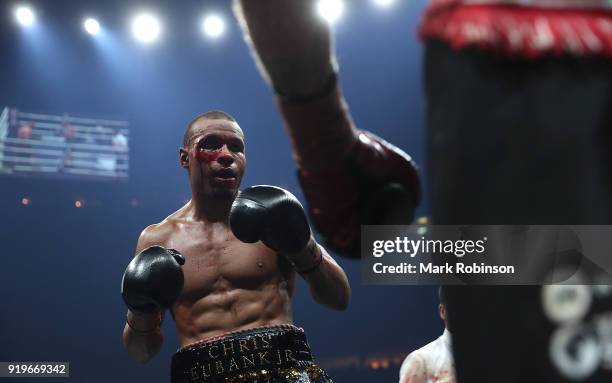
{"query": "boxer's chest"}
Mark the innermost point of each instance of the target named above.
(215, 258)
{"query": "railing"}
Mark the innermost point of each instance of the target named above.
(63, 146)
(3, 129)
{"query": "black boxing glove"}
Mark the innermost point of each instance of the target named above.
(271, 215)
(153, 280)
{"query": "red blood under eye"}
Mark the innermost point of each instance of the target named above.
(208, 155)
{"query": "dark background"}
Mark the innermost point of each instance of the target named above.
(61, 266)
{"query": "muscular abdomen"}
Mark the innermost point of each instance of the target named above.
(238, 287)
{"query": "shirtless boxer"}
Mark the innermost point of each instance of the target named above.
(512, 87)
(539, 78)
(231, 300)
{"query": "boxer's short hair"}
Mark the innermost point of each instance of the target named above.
(442, 295)
(211, 114)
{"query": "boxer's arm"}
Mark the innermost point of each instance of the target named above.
(142, 333)
(292, 47)
(143, 336)
(349, 177)
(328, 283)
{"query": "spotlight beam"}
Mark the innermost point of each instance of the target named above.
(213, 26)
(146, 28)
(92, 26)
(24, 16)
(330, 10)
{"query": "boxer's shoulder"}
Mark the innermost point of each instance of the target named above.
(163, 230)
(156, 234)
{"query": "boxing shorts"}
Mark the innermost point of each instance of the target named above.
(262, 355)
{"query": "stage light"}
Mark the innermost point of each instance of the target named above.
(146, 28)
(383, 3)
(25, 16)
(213, 26)
(25, 201)
(384, 363)
(91, 26)
(330, 10)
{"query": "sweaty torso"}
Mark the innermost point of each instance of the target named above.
(229, 285)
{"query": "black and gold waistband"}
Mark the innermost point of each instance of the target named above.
(266, 354)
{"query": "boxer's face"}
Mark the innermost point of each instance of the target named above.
(215, 157)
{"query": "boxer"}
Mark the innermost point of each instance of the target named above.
(512, 87)
(225, 265)
(350, 177)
